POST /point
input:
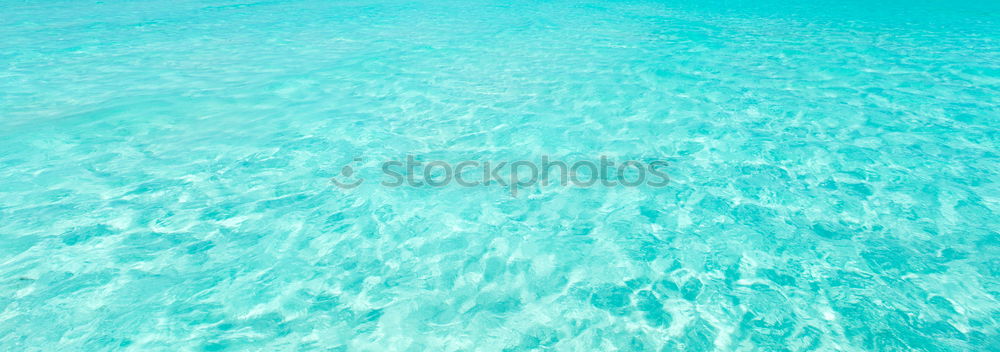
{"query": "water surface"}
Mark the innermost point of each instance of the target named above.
(165, 169)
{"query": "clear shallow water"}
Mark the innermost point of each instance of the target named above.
(165, 172)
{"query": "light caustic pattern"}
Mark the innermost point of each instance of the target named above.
(165, 173)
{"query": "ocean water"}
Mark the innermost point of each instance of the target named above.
(165, 175)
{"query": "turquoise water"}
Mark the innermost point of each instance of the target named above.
(165, 173)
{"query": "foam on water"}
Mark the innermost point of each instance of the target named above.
(165, 169)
